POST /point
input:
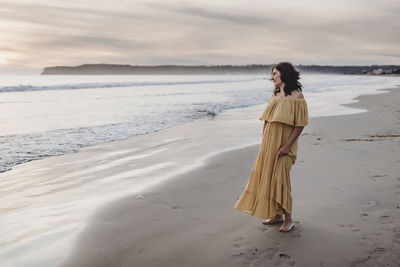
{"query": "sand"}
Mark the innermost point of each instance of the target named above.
(346, 205)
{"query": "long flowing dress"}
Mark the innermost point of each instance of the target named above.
(268, 191)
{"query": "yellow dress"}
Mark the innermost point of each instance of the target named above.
(268, 191)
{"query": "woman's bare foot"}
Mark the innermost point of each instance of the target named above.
(277, 219)
(286, 226)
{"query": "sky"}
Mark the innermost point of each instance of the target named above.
(42, 33)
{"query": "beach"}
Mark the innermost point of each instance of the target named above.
(345, 188)
(166, 198)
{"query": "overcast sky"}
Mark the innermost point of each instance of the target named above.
(40, 33)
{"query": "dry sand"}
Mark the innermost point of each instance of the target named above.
(346, 191)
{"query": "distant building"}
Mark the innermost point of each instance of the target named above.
(377, 71)
(381, 71)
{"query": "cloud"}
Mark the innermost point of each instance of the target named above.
(45, 32)
(231, 17)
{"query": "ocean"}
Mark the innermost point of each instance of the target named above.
(43, 116)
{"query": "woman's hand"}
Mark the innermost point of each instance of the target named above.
(284, 150)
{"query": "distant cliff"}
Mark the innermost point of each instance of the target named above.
(112, 69)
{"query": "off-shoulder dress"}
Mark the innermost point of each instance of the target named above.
(268, 191)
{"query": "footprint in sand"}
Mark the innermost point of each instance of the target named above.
(351, 226)
(345, 225)
(254, 254)
(379, 177)
(283, 255)
(261, 256)
(257, 257)
(396, 236)
(284, 259)
(236, 245)
(377, 253)
(364, 216)
(238, 242)
(372, 258)
(385, 219)
(371, 205)
(269, 253)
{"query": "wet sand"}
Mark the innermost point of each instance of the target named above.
(345, 188)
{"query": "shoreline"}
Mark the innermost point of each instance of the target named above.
(189, 220)
(34, 149)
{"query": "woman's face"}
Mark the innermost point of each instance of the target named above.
(276, 78)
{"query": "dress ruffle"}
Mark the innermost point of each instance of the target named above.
(291, 111)
(272, 196)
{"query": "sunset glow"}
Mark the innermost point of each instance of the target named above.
(48, 33)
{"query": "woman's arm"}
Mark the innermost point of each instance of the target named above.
(284, 150)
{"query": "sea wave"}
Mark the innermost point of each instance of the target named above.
(22, 88)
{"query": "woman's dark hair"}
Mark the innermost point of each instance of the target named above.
(289, 75)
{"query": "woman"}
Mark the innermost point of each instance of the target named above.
(268, 191)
